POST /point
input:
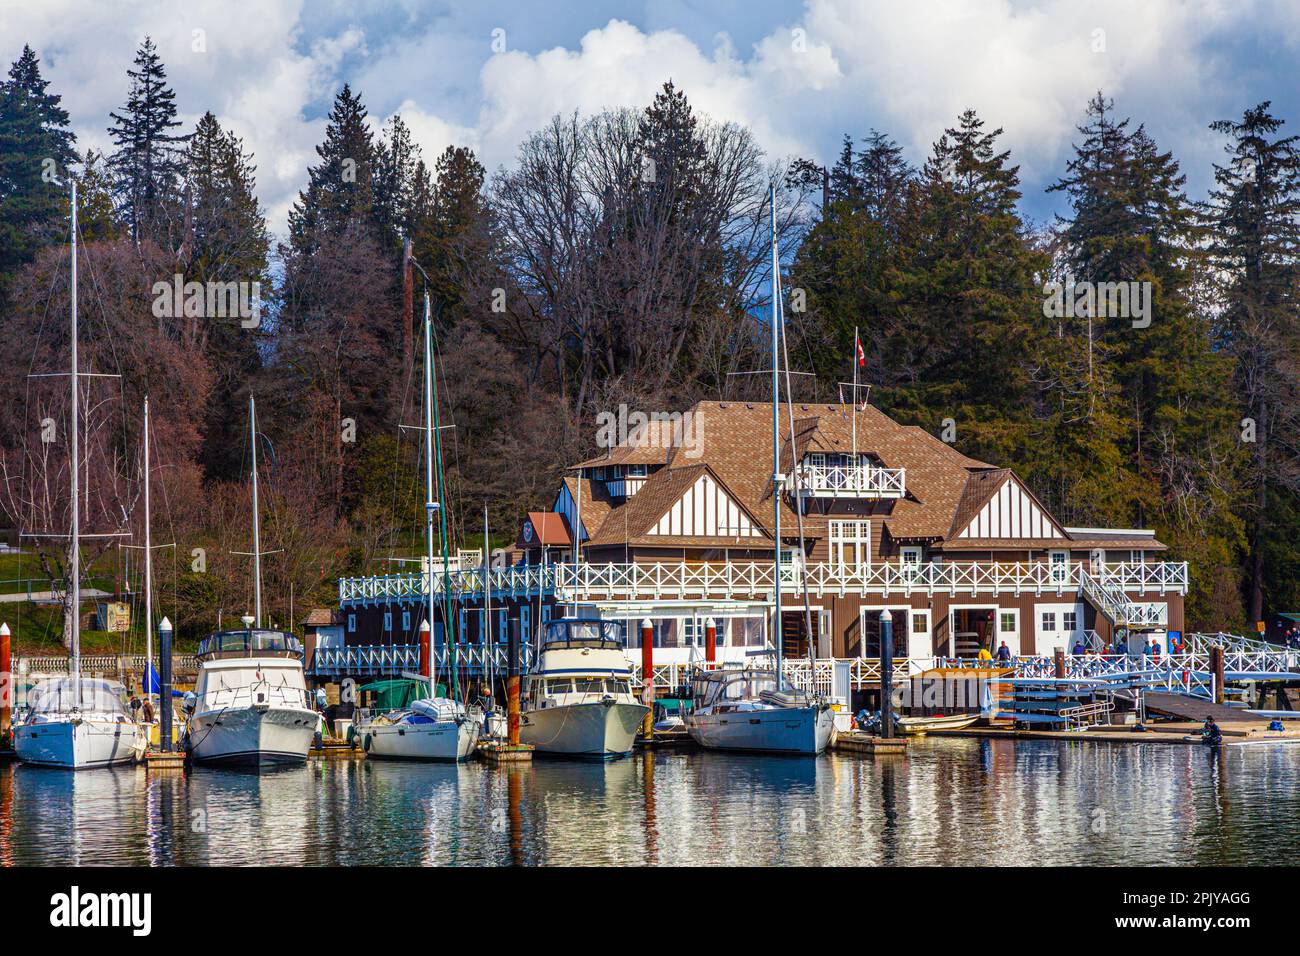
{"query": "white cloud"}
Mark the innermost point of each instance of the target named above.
(271, 66)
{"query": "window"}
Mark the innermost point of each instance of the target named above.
(525, 619)
(636, 471)
(406, 621)
(388, 620)
(909, 557)
(464, 627)
(850, 543)
(352, 623)
(817, 460)
(920, 622)
(546, 613)
(692, 632)
(501, 634)
(1049, 621)
(1060, 561)
(1068, 620)
(1007, 622)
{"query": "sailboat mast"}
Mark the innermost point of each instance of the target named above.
(488, 649)
(776, 445)
(429, 504)
(74, 562)
(148, 558)
(257, 535)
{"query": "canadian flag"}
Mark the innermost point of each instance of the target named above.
(862, 358)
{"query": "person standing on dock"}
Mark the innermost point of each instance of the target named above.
(1004, 653)
(1078, 650)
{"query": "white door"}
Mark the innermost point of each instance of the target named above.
(918, 635)
(1008, 630)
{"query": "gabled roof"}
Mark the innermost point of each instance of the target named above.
(733, 440)
(634, 522)
(1005, 510)
(596, 503)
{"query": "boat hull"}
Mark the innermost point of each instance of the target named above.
(83, 745)
(444, 740)
(919, 726)
(597, 730)
(785, 730)
(249, 736)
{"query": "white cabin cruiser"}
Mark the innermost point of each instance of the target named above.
(741, 709)
(578, 700)
(422, 729)
(79, 723)
(251, 704)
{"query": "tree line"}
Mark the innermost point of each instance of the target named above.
(1135, 360)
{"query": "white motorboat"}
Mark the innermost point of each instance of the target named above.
(424, 729)
(79, 723)
(918, 726)
(578, 700)
(741, 709)
(250, 702)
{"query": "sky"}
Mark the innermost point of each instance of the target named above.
(485, 73)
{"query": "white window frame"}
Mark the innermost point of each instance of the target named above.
(406, 621)
(1046, 618)
(1067, 626)
(859, 541)
(352, 623)
(1059, 560)
(388, 621)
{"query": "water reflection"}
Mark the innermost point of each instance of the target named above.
(947, 801)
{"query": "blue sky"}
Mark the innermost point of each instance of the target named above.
(799, 74)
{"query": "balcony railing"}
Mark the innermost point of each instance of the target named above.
(392, 660)
(851, 481)
(752, 579)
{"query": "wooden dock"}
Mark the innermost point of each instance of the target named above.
(867, 744)
(1179, 732)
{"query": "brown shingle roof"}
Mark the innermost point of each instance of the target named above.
(596, 503)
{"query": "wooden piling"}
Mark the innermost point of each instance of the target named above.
(1059, 659)
(648, 677)
(6, 686)
(1216, 669)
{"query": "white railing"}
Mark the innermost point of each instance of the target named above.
(851, 481)
(751, 579)
(394, 659)
(101, 664)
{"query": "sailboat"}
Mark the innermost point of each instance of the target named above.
(250, 703)
(750, 708)
(431, 727)
(77, 722)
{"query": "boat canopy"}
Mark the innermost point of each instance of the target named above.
(584, 632)
(398, 693)
(249, 643)
(65, 695)
(709, 687)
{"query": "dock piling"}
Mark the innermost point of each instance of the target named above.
(648, 677)
(165, 685)
(886, 674)
(6, 685)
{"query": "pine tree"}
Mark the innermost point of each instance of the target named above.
(1254, 215)
(452, 238)
(36, 151)
(149, 161)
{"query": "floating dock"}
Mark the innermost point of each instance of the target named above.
(867, 744)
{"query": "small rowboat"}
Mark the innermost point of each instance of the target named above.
(916, 726)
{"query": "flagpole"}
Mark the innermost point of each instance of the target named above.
(856, 345)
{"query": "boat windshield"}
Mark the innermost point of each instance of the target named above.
(581, 632)
(713, 687)
(250, 643)
(66, 695)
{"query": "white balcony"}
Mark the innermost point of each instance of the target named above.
(754, 579)
(850, 481)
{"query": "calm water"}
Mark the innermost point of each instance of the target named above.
(949, 801)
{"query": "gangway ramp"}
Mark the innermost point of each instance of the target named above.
(1194, 708)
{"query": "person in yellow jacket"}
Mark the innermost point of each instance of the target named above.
(984, 654)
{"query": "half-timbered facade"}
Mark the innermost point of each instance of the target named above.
(874, 515)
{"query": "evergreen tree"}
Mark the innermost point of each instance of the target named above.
(452, 238)
(1254, 214)
(149, 161)
(340, 190)
(965, 292)
(227, 241)
(1149, 424)
(36, 150)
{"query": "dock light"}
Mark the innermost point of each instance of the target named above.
(248, 620)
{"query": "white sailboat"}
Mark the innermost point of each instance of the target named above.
(750, 709)
(431, 728)
(250, 703)
(76, 722)
(579, 700)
